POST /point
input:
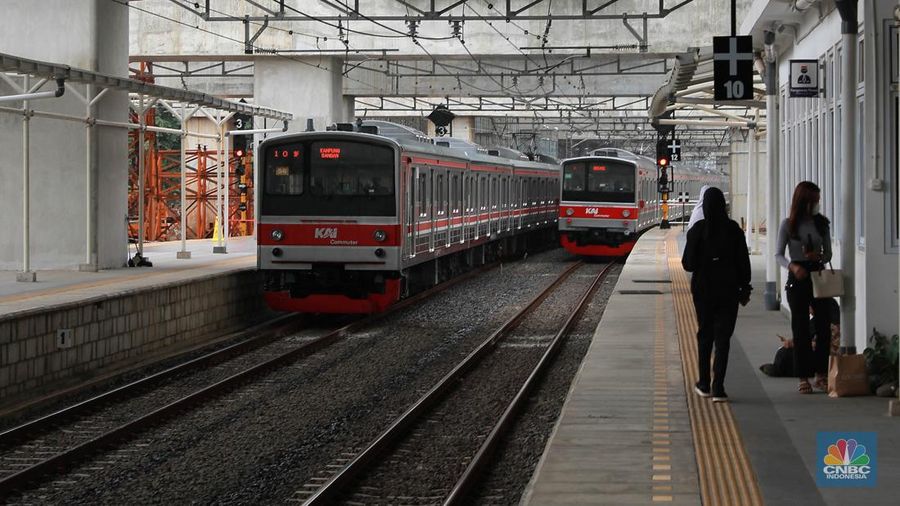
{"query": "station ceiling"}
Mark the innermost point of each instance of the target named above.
(589, 68)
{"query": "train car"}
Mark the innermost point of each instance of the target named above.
(351, 222)
(609, 198)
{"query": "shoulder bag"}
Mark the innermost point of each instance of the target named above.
(827, 283)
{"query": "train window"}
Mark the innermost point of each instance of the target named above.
(601, 180)
(482, 193)
(423, 194)
(495, 192)
(330, 178)
(284, 169)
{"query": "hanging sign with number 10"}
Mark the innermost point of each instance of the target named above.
(733, 67)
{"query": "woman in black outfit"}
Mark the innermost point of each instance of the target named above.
(716, 253)
(806, 236)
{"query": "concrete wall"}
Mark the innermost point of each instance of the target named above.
(691, 25)
(89, 34)
(120, 330)
(297, 86)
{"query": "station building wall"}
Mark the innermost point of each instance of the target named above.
(810, 133)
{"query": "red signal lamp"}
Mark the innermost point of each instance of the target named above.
(663, 162)
(238, 153)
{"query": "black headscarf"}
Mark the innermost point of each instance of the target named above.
(715, 215)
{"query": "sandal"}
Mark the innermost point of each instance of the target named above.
(821, 383)
(804, 387)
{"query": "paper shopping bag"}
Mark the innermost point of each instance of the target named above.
(847, 376)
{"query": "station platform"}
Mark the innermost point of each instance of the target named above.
(71, 328)
(633, 432)
(54, 287)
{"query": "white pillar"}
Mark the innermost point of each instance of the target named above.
(773, 221)
(26, 275)
(184, 253)
(849, 124)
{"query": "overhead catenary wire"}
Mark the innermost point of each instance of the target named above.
(232, 39)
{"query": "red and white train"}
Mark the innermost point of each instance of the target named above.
(351, 222)
(609, 198)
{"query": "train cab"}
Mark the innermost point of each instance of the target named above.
(600, 205)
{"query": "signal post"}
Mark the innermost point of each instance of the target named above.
(662, 180)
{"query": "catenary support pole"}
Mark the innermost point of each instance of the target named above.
(27, 275)
(849, 125)
(771, 296)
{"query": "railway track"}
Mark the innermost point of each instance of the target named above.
(63, 439)
(420, 443)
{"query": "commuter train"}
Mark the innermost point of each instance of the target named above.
(354, 219)
(609, 198)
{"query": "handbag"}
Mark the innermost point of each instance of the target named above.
(847, 376)
(827, 283)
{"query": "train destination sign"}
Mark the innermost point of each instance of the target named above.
(733, 67)
(804, 78)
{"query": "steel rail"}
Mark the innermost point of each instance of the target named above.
(15, 434)
(69, 457)
(472, 474)
(340, 481)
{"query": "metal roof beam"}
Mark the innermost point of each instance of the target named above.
(10, 63)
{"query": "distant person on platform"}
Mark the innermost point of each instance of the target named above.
(716, 253)
(697, 213)
(807, 236)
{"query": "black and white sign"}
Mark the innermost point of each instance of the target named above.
(684, 197)
(804, 78)
(243, 122)
(733, 67)
(674, 147)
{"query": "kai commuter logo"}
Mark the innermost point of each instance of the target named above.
(325, 233)
(847, 459)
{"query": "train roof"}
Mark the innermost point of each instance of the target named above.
(410, 139)
(645, 162)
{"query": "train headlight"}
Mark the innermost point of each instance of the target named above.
(277, 235)
(626, 213)
(570, 211)
(380, 235)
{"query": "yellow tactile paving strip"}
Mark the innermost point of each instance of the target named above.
(726, 476)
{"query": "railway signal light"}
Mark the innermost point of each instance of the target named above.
(662, 154)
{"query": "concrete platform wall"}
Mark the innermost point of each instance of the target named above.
(116, 331)
(87, 34)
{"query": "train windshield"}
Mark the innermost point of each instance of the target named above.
(329, 178)
(599, 181)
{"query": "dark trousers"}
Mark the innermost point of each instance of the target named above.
(716, 318)
(800, 298)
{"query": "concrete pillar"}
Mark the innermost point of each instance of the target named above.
(349, 108)
(296, 85)
(88, 34)
(771, 296)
